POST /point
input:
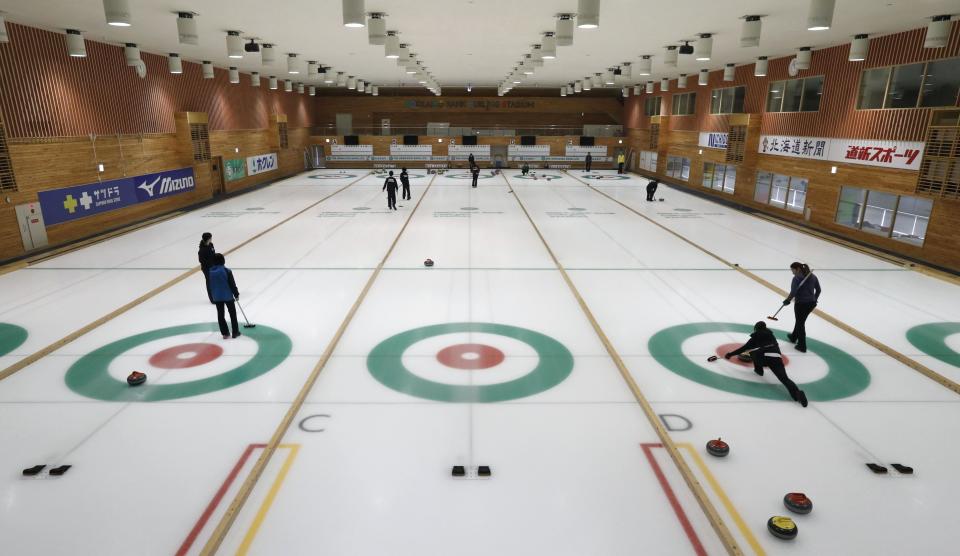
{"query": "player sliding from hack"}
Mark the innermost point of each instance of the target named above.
(765, 352)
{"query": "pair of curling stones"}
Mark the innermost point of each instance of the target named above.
(783, 527)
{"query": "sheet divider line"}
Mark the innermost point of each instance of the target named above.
(236, 505)
(713, 516)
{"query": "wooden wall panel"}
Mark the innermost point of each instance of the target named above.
(46, 93)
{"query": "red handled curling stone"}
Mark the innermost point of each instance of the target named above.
(718, 448)
(782, 527)
(798, 503)
(136, 378)
(428, 262)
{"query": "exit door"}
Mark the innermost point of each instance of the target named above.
(32, 230)
(217, 176)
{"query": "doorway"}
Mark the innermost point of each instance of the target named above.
(216, 175)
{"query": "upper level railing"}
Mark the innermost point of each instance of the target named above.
(598, 130)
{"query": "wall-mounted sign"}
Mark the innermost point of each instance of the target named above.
(234, 169)
(903, 155)
(713, 140)
(471, 104)
(261, 163)
(80, 201)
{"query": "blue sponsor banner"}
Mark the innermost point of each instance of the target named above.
(79, 201)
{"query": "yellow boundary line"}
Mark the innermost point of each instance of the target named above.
(880, 346)
(731, 509)
(268, 501)
(43, 352)
(716, 521)
(230, 516)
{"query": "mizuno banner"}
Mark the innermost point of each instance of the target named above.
(79, 201)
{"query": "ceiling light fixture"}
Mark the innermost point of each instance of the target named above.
(563, 91)
(391, 45)
(376, 90)
(587, 83)
(664, 84)
(704, 47)
(76, 46)
(645, 67)
(636, 90)
(588, 14)
(354, 14)
(300, 88)
(341, 79)
(234, 45)
(670, 56)
(376, 29)
(682, 81)
(820, 16)
(4, 36)
(649, 87)
(187, 28)
(548, 46)
(267, 56)
(208, 72)
(750, 32)
(117, 12)
(938, 31)
(564, 30)
(255, 79)
(174, 63)
(351, 82)
(803, 58)
(577, 86)
(131, 54)
(234, 75)
(704, 77)
(728, 72)
(273, 83)
(760, 69)
(288, 85)
(859, 48)
(312, 91)
(292, 67)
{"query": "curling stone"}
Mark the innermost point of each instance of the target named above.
(428, 262)
(718, 448)
(136, 378)
(745, 357)
(782, 527)
(798, 503)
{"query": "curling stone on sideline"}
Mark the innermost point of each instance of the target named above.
(718, 448)
(798, 503)
(428, 262)
(782, 527)
(136, 378)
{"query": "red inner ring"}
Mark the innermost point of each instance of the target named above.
(454, 356)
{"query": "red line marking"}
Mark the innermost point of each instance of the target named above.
(217, 498)
(677, 508)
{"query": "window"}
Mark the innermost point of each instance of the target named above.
(651, 106)
(850, 207)
(941, 83)
(728, 100)
(902, 218)
(795, 95)
(913, 215)
(678, 167)
(684, 104)
(722, 177)
(648, 161)
(929, 84)
(784, 192)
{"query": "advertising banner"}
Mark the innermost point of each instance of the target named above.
(234, 169)
(261, 163)
(79, 201)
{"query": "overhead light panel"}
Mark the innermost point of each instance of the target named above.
(760, 69)
(704, 47)
(750, 32)
(76, 46)
(376, 29)
(804, 55)
(588, 14)
(187, 28)
(354, 14)
(117, 12)
(174, 63)
(820, 16)
(938, 32)
(564, 30)
(234, 45)
(859, 48)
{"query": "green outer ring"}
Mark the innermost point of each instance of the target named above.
(931, 338)
(846, 376)
(89, 376)
(386, 365)
(551, 176)
(11, 337)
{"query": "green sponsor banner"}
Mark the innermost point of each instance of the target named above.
(234, 169)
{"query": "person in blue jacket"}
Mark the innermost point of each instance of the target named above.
(224, 291)
(805, 289)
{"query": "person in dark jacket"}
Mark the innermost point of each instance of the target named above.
(588, 163)
(525, 169)
(224, 291)
(805, 289)
(390, 186)
(471, 160)
(475, 173)
(405, 182)
(652, 189)
(765, 352)
(205, 255)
